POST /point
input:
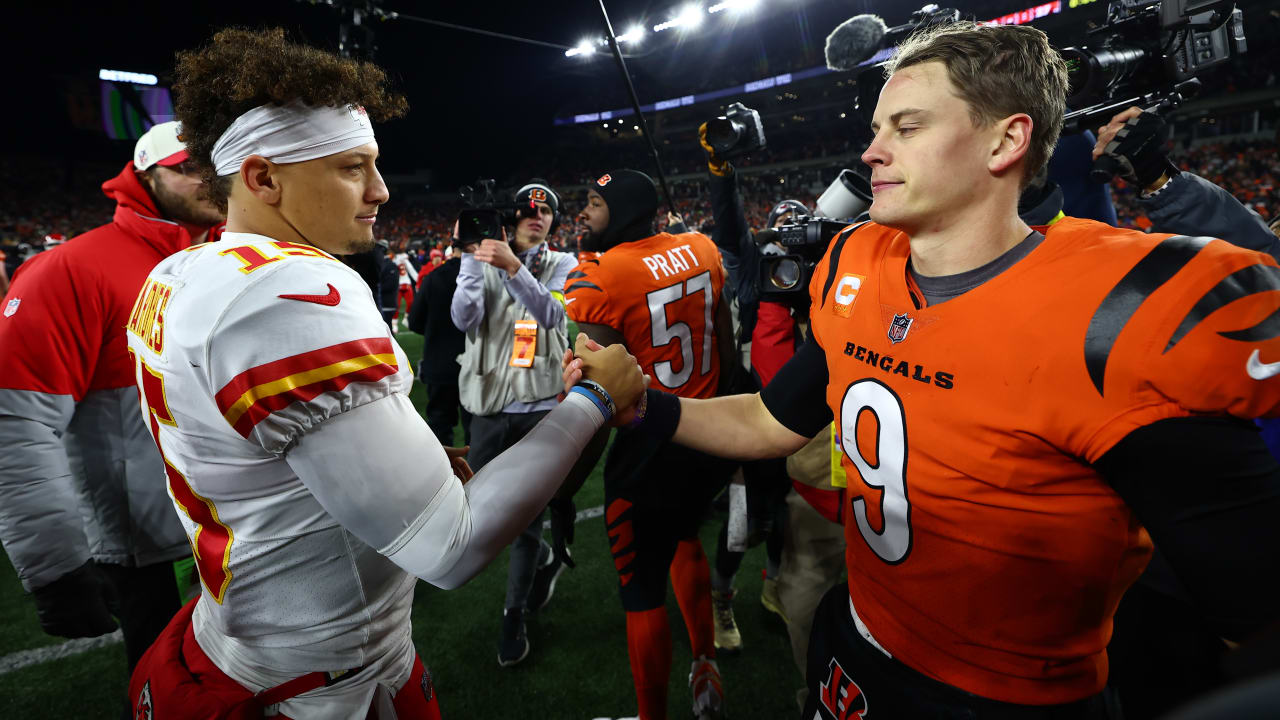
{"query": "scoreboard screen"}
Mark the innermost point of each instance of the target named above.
(129, 109)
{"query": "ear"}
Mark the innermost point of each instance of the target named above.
(145, 179)
(261, 177)
(1011, 140)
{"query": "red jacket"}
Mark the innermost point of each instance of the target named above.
(68, 407)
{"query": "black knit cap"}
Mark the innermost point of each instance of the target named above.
(539, 190)
(632, 199)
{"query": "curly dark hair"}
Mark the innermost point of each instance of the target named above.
(241, 69)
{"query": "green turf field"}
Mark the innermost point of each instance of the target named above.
(577, 669)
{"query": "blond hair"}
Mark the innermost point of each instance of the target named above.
(998, 70)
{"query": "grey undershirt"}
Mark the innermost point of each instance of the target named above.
(944, 287)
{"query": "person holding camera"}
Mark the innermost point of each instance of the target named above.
(661, 296)
(770, 329)
(1177, 201)
(509, 301)
(1021, 411)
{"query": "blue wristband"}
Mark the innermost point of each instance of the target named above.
(600, 392)
(604, 409)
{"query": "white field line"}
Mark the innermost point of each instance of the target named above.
(48, 653)
(36, 656)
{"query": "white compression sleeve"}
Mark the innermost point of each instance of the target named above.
(514, 487)
(379, 471)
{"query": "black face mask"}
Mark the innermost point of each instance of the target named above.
(633, 203)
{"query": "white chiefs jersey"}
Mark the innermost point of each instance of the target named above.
(408, 275)
(240, 347)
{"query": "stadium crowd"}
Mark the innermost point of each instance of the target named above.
(603, 251)
(1247, 168)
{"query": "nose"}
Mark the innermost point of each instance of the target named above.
(875, 153)
(376, 193)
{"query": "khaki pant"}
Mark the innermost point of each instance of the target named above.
(813, 550)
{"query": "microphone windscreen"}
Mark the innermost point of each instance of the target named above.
(855, 40)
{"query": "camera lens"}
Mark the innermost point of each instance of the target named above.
(723, 134)
(785, 274)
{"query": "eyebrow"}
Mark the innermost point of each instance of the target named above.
(360, 155)
(897, 117)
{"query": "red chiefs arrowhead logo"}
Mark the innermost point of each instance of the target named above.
(604, 180)
(840, 695)
(143, 709)
(331, 299)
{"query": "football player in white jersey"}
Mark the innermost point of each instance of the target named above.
(313, 494)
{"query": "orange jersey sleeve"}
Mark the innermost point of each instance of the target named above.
(662, 294)
(586, 295)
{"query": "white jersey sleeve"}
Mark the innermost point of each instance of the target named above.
(303, 342)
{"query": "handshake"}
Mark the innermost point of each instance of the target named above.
(611, 369)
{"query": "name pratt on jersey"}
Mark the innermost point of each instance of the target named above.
(905, 368)
(677, 264)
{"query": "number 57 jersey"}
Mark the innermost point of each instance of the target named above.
(983, 549)
(662, 293)
(240, 348)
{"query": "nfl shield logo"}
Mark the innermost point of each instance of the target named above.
(12, 307)
(899, 327)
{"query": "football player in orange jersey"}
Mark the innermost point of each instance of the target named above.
(657, 294)
(1022, 411)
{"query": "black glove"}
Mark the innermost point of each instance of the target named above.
(563, 515)
(1139, 150)
(75, 605)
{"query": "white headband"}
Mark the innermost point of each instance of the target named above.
(291, 133)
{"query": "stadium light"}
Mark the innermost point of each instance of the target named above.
(129, 77)
(584, 48)
(738, 5)
(634, 35)
(690, 17)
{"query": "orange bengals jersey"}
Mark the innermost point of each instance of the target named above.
(983, 549)
(662, 294)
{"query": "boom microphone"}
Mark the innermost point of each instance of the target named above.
(854, 41)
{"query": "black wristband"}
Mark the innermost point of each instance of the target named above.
(662, 415)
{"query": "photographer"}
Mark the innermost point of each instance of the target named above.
(1178, 201)
(772, 332)
(509, 302)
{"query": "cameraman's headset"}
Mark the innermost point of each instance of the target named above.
(537, 190)
(795, 207)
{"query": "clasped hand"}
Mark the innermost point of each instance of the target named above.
(613, 367)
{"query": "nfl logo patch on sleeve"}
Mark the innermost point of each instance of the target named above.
(12, 307)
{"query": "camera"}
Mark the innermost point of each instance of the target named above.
(1148, 54)
(738, 132)
(804, 239)
(483, 217)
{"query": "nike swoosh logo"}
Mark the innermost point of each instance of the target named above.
(566, 302)
(1259, 370)
(333, 298)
